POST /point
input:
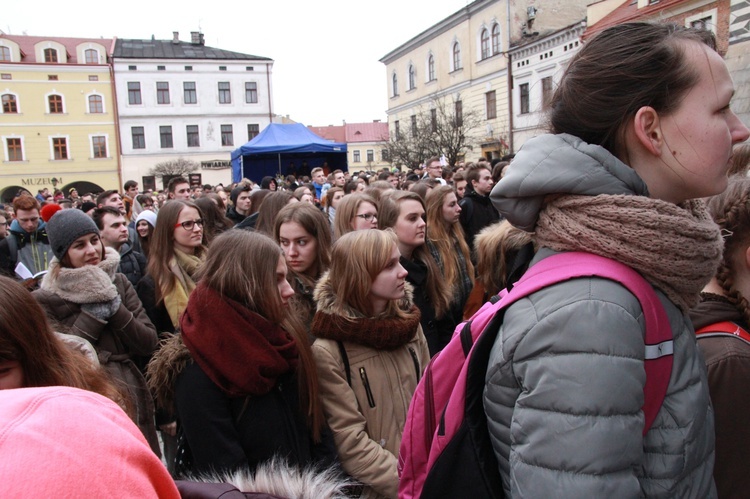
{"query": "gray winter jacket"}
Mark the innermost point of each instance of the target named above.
(564, 385)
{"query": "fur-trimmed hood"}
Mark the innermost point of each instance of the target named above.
(325, 297)
(277, 478)
(167, 363)
(87, 284)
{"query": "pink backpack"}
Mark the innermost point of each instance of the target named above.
(446, 449)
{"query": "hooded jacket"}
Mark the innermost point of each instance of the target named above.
(33, 250)
(368, 417)
(565, 379)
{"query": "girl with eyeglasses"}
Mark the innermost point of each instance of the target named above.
(84, 292)
(356, 212)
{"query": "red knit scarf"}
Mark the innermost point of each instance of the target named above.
(240, 351)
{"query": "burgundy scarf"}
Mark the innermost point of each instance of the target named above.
(240, 351)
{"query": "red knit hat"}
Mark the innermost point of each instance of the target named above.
(48, 210)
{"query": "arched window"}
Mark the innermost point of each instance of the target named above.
(92, 56)
(10, 106)
(395, 85)
(412, 77)
(55, 104)
(430, 68)
(485, 44)
(50, 55)
(4, 54)
(456, 56)
(96, 104)
(496, 39)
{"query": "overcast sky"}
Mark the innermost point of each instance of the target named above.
(326, 52)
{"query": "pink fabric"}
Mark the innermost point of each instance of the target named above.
(66, 442)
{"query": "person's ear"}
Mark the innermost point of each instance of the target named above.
(647, 129)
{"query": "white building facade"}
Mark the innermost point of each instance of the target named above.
(180, 99)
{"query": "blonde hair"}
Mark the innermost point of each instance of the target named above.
(444, 238)
(356, 260)
(347, 210)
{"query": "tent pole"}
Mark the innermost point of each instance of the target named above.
(279, 164)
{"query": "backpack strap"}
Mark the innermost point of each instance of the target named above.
(13, 248)
(659, 347)
(726, 328)
(345, 359)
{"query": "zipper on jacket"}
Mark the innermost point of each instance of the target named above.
(416, 361)
(366, 382)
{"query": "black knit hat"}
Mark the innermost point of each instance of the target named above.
(65, 227)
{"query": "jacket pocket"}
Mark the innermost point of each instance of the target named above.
(366, 383)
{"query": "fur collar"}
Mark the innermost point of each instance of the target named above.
(87, 284)
(167, 363)
(380, 333)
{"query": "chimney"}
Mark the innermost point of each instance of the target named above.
(376, 121)
(196, 38)
(175, 37)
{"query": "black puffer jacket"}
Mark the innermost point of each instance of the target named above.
(132, 264)
(477, 213)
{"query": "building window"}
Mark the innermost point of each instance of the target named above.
(93, 78)
(139, 137)
(249, 68)
(222, 68)
(370, 155)
(92, 56)
(60, 147)
(491, 103)
(52, 77)
(546, 92)
(165, 137)
(484, 44)
(384, 155)
(96, 104)
(394, 85)
(227, 136)
(433, 120)
(161, 68)
(15, 151)
(413, 125)
(412, 77)
(6, 76)
(357, 159)
(132, 68)
(397, 129)
(190, 96)
(55, 104)
(193, 138)
(134, 93)
(252, 131)
(431, 68)
(5, 54)
(702, 23)
(251, 92)
(99, 146)
(524, 91)
(162, 92)
(50, 55)
(496, 39)
(188, 68)
(225, 93)
(456, 56)
(10, 106)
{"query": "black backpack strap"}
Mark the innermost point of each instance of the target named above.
(345, 359)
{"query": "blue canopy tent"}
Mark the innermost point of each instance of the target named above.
(274, 150)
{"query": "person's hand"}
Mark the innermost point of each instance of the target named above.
(102, 310)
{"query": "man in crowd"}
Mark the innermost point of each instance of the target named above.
(114, 233)
(434, 170)
(128, 199)
(318, 180)
(178, 188)
(241, 203)
(111, 198)
(27, 241)
(477, 211)
(4, 224)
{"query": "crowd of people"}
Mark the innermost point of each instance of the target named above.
(285, 324)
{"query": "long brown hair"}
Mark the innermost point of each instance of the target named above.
(269, 208)
(214, 220)
(438, 290)
(162, 245)
(445, 238)
(249, 278)
(26, 337)
(315, 223)
(347, 210)
(731, 211)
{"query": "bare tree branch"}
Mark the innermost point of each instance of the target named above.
(174, 167)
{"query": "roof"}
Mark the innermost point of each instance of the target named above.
(627, 12)
(292, 138)
(168, 49)
(26, 43)
(374, 131)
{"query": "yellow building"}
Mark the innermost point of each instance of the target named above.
(58, 121)
(365, 143)
(461, 65)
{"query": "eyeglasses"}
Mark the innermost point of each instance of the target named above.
(368, 216)
(190, 224)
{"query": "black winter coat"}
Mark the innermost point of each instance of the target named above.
(477, 213)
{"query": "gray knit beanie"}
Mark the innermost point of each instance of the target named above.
(65, 227)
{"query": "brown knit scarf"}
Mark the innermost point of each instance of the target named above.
(375, 332)
(677, 248)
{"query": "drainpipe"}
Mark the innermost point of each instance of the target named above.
(116, 113)
(268, 82)
(510, 87)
